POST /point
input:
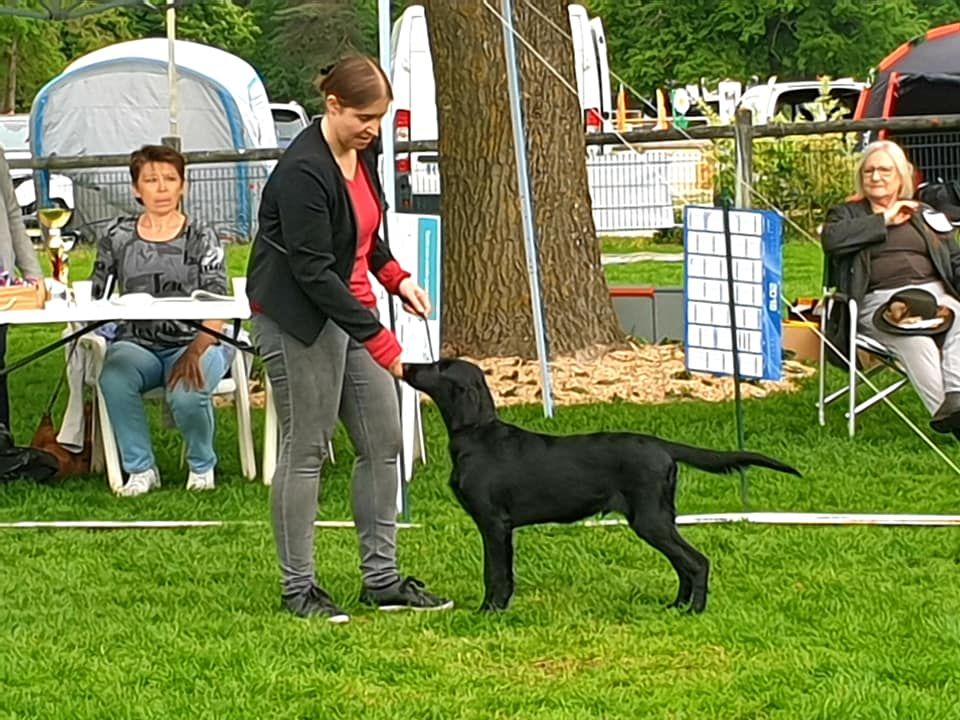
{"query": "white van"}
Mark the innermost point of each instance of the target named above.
(602, 72)
(592, 72)
(415, 99)
(289, 119)
(415, 111)
(797, 101)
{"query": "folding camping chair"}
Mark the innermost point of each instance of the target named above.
(860, 345)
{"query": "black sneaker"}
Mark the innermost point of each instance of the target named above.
(406, 594)
(314, 602)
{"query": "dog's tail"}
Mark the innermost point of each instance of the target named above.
(719, 461)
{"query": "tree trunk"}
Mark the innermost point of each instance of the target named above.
(10, 94)
(486, 303)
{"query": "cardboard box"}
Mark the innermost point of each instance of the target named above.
(22, 297)
(801, 338)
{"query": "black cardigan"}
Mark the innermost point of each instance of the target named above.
(306, 244)
(849, 232)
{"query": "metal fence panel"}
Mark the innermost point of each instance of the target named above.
(225, 196)
(801, 170)
(630, 190)
(936, 155)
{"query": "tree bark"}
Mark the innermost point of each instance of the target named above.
(10, 94)
(486, 304)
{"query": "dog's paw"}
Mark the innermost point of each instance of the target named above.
(491, 606)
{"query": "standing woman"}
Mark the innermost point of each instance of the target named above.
(325, 351)
(16, 253)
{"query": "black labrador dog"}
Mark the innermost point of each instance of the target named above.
(506, 477)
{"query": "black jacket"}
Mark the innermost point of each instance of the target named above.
(306, 245)
(849, 233)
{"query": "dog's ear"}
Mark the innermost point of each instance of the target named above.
(472, 405)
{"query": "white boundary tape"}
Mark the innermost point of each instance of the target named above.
(756, 518)
(160, 524)
(797, 518)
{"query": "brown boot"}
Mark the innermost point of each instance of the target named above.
(947, 417)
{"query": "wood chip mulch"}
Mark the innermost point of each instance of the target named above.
(645, 374)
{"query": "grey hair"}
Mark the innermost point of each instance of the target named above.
(900, 163)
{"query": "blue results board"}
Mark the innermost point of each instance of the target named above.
(756, 239)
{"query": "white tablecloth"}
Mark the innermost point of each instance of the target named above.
(58, 312)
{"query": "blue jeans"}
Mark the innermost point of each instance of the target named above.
(129, 370)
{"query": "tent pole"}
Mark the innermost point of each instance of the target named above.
(173, 140)
(526, 206)
(386, 128)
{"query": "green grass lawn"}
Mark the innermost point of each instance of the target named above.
(802, 622)
(802, 268)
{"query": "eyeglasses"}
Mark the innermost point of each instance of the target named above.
(882, 171)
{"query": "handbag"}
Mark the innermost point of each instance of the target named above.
(69, 464)
(943, 196)
(18, 463)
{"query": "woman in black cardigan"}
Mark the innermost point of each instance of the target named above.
(881, 244)
(324, 348)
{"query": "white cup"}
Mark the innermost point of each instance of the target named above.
(82, 291)
(240, 287)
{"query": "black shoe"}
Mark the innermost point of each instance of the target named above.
(314, 602)
(406, 594)
(947, 417)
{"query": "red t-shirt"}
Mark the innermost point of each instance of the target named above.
(366, 209)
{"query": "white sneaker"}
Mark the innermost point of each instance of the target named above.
(200, 481)
(140, 483)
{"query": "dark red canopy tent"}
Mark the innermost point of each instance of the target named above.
(921, 77)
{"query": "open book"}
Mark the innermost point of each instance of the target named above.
(198, 295)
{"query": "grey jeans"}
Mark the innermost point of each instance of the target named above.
(932, 370)
(312, 385)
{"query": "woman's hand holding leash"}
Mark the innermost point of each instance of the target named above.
(416, 302)
(415, 298)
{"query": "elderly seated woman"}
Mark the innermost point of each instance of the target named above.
(882, 243)
(163, 253)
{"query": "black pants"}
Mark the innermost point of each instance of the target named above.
(4, 399)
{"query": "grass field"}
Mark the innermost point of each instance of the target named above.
(802, 267)
(802, 622)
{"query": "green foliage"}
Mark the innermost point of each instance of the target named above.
(92, 32)
(299, 38)
(804, 176)
(801, 175)
(653, 42)
(44, 48)
(33, 48)
(221, 23)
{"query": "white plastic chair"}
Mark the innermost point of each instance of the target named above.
(105, 444)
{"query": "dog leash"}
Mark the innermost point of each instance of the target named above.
(62, 378)
(426, 327)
